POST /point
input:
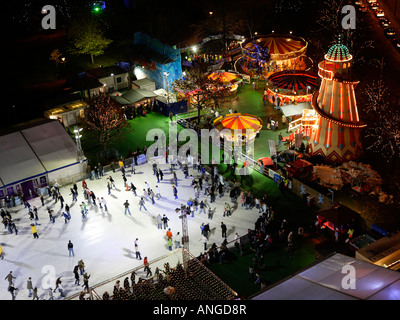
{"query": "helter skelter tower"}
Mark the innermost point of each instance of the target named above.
(336, 133)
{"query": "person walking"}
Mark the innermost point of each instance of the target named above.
(141, 204)
(1, 253)
(137, 249)
(71, 248)
(223, 229)
(126, 205)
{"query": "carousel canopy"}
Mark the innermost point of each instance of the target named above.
(279, 46)
(238, 121)
(294, 80)
(225, 77)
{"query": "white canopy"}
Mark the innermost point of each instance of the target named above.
(323, 281)
(35, 150)
(17, 159)
(291, 110)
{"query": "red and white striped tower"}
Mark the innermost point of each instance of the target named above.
(336, 134)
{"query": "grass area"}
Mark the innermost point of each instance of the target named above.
(277, 265)
(130, 139)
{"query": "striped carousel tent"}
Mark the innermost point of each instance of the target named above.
(225, 77)
(279, 47)
(293, 80)
(237, 121)
(238, 127)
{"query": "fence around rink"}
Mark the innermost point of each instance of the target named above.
(196, 282)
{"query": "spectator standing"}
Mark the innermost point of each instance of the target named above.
(71, 248)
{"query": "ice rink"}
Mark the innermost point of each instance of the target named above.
(105, 240)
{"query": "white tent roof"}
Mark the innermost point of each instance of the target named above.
(323, 281)
(17, 159)
(52, 145)
(35, 150)
(290, 110)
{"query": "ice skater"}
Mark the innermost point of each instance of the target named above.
(137, 250)
(175, 191)
(126, 205)
(141, 204)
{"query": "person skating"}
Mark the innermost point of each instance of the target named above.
(29, 286)
(141, 204)
(126, 205)
(165, 221)
(76, 273)
(223, 229)
(34, 231)
(175, 191)
(137, 249)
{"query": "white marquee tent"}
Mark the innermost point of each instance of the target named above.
(36, 155)
(324, 281)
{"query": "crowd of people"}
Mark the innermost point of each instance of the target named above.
(208, 187)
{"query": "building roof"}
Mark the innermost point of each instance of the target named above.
(323, 280)
(104, 72)
(34, 149)
(134, 95)
(338, 52)
(143, 82)
(380, 248)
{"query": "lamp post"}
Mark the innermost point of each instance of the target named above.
(78, 137)
(166, 74)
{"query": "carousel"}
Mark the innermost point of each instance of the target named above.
(291, 86)
(266, 54)
(238, 128)
(224, 79)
